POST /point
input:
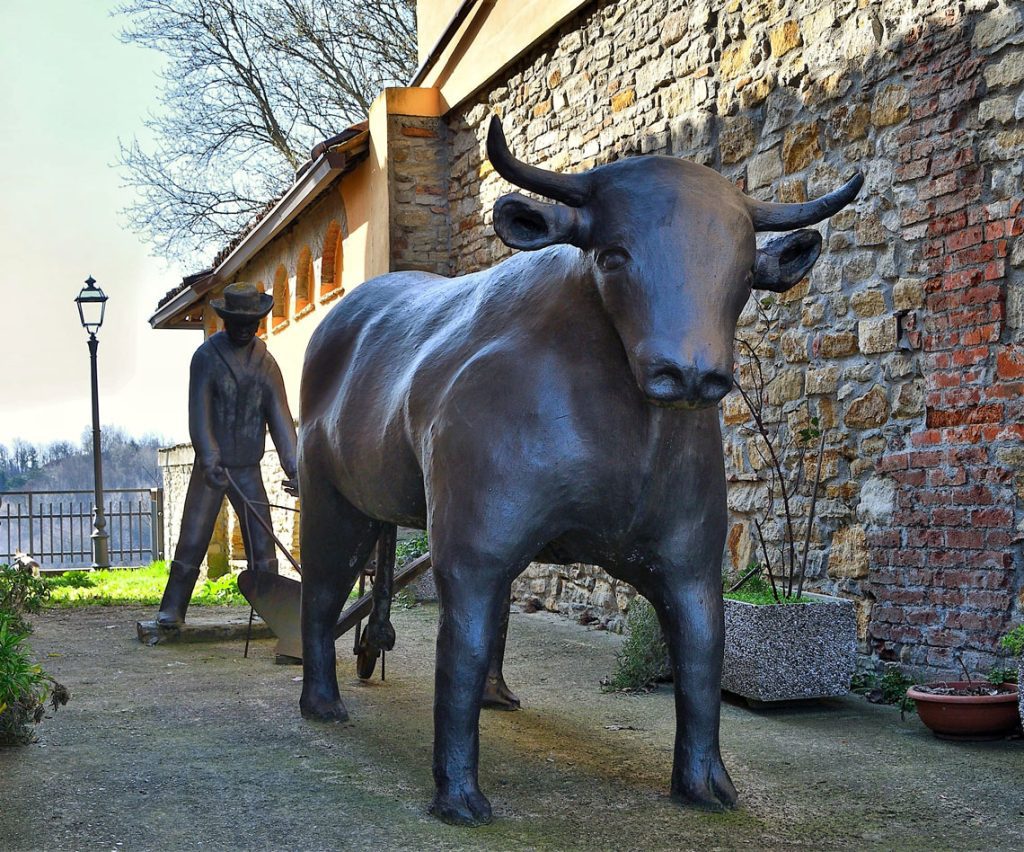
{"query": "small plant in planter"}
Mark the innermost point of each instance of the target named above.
(783, 643)
(967, 709)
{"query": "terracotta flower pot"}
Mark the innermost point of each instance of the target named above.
(967, 717)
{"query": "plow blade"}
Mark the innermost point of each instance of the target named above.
(277, 599)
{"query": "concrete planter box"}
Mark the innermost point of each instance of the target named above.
(792, 651)
(1020, 689)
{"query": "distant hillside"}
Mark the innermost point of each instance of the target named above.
(127, 463)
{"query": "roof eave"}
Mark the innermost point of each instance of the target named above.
(300, 195)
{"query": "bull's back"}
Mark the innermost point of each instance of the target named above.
(360, 367)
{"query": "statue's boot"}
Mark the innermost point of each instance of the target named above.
(177, 595)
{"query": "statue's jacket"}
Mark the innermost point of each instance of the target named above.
(235, 394)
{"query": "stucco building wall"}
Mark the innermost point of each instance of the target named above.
(906, 341)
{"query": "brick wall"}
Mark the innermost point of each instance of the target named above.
(905, 342)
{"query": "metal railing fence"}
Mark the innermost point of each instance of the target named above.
(54, 527)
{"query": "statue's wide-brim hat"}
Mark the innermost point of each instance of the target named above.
(242, 302)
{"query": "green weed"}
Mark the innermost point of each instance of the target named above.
(643, 659)
(411, 549)
(1014, 641)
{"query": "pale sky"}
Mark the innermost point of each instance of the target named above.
(68, 90)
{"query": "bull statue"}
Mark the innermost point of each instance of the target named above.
(559, 406)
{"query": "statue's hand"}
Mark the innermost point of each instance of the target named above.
(291, 485)
(215, 475)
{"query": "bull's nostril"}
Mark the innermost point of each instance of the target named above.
(714, 386)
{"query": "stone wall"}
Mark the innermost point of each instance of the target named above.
(226, 548)
(417, 181)
(907, 341)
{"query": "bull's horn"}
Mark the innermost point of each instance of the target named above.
(569, 189)
(785, 217)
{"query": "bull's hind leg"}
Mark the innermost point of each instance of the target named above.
(336, 539)
(379, 634)
(497, 695)
(379, 631)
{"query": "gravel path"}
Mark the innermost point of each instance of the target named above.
(194, 747)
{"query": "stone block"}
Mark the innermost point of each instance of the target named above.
(909, 399)
(763, 168)
(999, 108)
(674, 27)
(1008, 71)
(877, 497)
(736, 139)
(822, 380)
(622, 100)
(795, 345)
(907, 294)
(869, 411)
(812, 313)
(849, 122)
(787, 385)
(848, 556)
(736, 59)
(734, 410)
(869, 230)
(838, 345)
(1001, 25)
(890, 105)
(877, 334)
(784, 38)
(801, 146)
(757, 92)
(868, 303)
(792, 192)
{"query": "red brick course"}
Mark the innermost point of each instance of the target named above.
(943, 572)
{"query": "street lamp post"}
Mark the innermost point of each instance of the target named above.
(92, 304)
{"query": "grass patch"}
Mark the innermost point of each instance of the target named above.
(135, 587)
(757, 590)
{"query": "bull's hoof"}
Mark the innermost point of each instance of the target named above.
(710, 790)
(468, 808)
(497, 695)
(708, 787)
(379, 636)
(323, 711)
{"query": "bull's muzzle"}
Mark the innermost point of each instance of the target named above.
(670, 384)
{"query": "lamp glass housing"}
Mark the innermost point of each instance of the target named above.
(92, 304)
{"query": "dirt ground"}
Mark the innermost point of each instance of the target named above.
(194, 747)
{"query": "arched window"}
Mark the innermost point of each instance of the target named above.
(262, 330)
(332, 262)
(304, 280)
(279, 315)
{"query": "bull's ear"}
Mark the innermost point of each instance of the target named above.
(785, 260)
(524, 223)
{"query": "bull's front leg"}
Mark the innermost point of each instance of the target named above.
(468, 630)
(690, 610)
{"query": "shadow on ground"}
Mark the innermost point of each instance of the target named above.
(176, 747)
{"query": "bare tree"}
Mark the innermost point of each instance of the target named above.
(248, 88)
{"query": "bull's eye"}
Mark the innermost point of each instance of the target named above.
(611, 259)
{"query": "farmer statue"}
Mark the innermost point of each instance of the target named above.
(235, 394)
